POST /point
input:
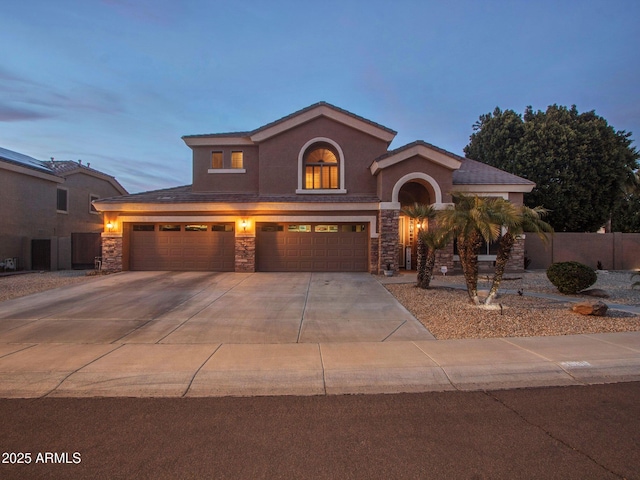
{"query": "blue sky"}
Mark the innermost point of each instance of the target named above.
(117, 83)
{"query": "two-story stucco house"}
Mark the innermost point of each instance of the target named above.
(47, 220)
(317, 190)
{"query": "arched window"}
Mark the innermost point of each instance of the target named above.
(321, 167)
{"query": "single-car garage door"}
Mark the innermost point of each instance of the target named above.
(182, 247)
(313, 247)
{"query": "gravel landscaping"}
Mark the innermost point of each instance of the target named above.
(448, 314)
(21, 284)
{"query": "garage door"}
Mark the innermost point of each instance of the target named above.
(182, 247)
(313, 247)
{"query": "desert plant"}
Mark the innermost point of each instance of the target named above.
(571, 277)
(471, 219)
(433, 240)
(420, 213)
(515, 220)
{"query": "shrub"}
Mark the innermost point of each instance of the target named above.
(571, 277)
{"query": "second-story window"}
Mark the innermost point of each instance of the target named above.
(62, 201)
(237, 160)
(321, 168)
(216, 160)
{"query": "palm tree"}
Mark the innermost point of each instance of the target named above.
(516, 220)
(420, 212)
(471, 219)
(434, 240)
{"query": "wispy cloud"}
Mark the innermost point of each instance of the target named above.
(12, 114)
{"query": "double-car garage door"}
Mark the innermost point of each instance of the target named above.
(183, 247)
(312, 247)
(280, 247)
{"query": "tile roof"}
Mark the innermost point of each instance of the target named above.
(292, 115)
(416, 143)
(184, 194)
(472, 172)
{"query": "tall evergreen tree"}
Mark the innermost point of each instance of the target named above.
(578, 162)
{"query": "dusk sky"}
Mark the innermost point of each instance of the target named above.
(117, 83)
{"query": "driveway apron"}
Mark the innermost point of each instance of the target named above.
(212, 308)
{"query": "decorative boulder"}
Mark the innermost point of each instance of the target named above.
(597, 308)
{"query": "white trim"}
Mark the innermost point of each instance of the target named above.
(227, 170)
(390, 206)
(371, 219)
(323, 111)
(423, 151)
(225, 207)
(417, 176)
(301, 153)
(324, 191)
(215, 141)
(91, 211)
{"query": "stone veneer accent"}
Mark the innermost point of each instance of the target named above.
(444, 258)
(111, 252)
(516, 262)
(373, 255)
(388, 240)
(245, 254)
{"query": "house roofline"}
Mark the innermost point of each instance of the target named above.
(291, 121)
(28, 170)
(418, 148)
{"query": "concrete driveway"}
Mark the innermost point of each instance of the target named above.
(209, 308)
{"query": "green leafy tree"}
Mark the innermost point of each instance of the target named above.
(420, 213)
(576, 160)
(626, 216)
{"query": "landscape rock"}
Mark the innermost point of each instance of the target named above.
(597, 308)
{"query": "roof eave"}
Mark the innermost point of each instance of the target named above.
(494, 188)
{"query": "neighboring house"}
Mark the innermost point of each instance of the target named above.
(47, 219)
(317, 190)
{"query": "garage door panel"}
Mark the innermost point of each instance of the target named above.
(285, 247)
(182, 250)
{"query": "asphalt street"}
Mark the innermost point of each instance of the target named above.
(579, 432)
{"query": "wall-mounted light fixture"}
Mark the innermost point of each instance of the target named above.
(109, 226)
(244, 224)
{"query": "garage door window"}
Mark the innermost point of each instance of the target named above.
(299, 228)
(144, 228)
(169, 228)
(326, 228)
(195, 228)
(354, 228)
(222, 227)
(272, 228)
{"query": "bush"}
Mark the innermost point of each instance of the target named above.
(571, 277)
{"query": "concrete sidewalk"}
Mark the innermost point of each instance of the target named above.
(174, 370)
(215, 335)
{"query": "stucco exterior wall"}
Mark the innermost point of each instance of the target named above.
(279, 156)
(390, 176)
(28, 211)
(79, 217)
(247, 182)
